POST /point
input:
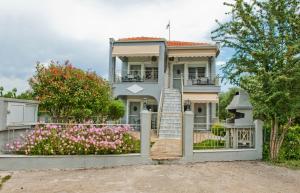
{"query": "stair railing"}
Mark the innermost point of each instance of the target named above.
(182, 103)
(159, 112)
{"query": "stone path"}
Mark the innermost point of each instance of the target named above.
(166, 149)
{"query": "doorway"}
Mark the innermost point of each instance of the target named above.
(134, 115)
(178, 69)
(200, 116)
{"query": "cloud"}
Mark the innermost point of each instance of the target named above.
(221, 63)
(76, 30)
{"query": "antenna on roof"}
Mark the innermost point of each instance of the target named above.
(169, 27)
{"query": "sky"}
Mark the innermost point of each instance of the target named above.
(79, 31)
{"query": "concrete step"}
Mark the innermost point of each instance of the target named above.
(170, 124)
(176, 133)
(169, 136)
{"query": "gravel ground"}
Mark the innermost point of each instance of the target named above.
(202, 177)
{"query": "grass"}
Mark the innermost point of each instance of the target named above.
(209, 144)
(292, 164)
(3, 180)
(137, 146)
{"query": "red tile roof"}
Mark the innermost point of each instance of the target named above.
(181, 43)
(169, 43)
(140, 39)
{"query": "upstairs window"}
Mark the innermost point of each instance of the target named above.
(151, 73)
(196, 72)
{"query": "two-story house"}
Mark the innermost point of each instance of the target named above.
(167, 76)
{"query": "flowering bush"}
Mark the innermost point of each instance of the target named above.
(76, 140)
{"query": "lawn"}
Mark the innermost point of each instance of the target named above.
(209, 144)
(292, 164)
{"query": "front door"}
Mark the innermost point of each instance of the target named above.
(178, 69)
(134, 115)
(200, 116)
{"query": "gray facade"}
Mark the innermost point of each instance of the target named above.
(137, 60)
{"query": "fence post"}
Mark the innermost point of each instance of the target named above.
(3, 115)
(188, 141)
(258, 124)
(145, 133)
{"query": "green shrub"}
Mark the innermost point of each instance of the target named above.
(290, 149)
(116, 110)
(218, 130)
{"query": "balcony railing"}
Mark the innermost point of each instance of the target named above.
(200, 122)
(137, 76)
(195, 80)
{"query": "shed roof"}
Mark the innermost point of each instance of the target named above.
(240, 101)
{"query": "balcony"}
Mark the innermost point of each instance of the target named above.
(202, 83)
(202, 80)
(150, 75)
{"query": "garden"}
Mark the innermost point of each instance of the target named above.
(76, 140)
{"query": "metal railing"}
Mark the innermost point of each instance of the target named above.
(135, 122)
(154, 125)
(159, 111)
(223, 138)
(182, 104)
(195, 80)
(201, 122)
(74, 120)
(136, 76)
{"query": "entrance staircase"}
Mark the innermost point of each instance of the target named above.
(171, 119)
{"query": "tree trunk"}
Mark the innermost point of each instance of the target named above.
(276, 137)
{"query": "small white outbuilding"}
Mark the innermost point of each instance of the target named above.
(17, 112)
(16, 117)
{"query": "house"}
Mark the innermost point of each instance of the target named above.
(166, 77)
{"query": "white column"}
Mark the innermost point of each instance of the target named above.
(207, 116)
(171, 75)
(185, 75)
(206, 70)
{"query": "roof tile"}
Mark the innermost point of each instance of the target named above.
(139, 38)
(169, 43)
(181, 43)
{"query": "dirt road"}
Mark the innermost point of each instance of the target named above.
(203, 177)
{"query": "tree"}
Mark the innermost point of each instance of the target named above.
(28, 95)
(1, 91)
(10, 94)
(65, 92)
(13, 94)
(116, 110)
(225, 99)
(265, 37)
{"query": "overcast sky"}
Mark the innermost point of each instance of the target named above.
(78, 30)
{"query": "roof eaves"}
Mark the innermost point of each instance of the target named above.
(210, 46)
(151, 40)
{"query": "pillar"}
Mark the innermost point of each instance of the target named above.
(145, 133)
(258, 124)
(188, 122)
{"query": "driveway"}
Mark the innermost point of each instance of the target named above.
(202, 177)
